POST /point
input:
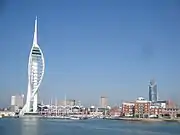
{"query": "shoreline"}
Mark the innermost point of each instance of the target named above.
(107, 118)
(146, 119)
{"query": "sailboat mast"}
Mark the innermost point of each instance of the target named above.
(65, 105)
(56, 107)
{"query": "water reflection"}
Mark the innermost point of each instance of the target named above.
(29, 126)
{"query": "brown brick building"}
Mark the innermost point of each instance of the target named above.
(115, 111)
(156, 110)
(172, 112)
(128, 109)
(142, 108)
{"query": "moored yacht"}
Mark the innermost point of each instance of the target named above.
(30, 115)
(74, 118)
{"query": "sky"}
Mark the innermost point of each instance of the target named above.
(92, 48)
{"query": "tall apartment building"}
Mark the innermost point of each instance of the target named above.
(103, 102)
(17, 102)
(153, 94)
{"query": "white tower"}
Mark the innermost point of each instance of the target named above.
(36, 68)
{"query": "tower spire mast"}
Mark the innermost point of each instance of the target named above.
(36, 67)
(35, 33)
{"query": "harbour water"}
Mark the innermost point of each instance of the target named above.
(36, 126)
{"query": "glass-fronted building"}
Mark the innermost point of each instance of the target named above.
(153, 94)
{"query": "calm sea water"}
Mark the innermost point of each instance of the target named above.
(84, 127)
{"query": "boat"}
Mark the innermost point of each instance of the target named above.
(75, 118)
(57, 117)
(30, 115)
(83, 118)
(78, 117)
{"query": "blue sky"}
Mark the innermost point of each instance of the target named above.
(92, 48)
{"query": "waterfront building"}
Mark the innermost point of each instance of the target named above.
(115, 111)
(36, 66)
(155, 111)
(128, 109)
(171, 109)
(103, 102)
(142, 107)
(171, 112)
(153, 95)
